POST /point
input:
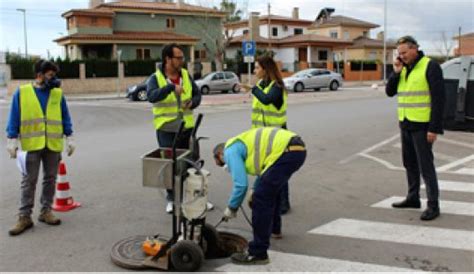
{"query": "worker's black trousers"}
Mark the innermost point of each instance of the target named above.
(417, 155)
(266, 198)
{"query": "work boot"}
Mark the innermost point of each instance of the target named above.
(430, 213)
(48, 218)
(23, 223)
(277, 236)
(407, 204)
(247, 259)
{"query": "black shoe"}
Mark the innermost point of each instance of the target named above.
(407, 204)
(430, 213)
(247, 259)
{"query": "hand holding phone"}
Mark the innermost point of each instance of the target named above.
(397, 64)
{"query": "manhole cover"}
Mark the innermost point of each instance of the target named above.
(128, 253)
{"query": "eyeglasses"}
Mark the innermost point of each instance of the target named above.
(180, 58)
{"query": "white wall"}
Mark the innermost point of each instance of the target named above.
(231, 52)
(281, 33)
(285, 55)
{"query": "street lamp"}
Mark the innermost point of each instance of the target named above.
(24, 30)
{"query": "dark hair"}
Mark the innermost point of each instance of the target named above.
(407, 40)
(271, 69)
(168, 52)
(43, 66)
(217, 149)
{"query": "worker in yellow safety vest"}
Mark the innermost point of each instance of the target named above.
(39, 120)
(273, 155)
(418, 83)
(269, 106)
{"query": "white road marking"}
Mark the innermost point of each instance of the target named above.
(454, 186)
(381, 161)
(399, 233)
(442, 139)
(456, 163)
(465, 171)
(448, 207)
(367, 150)
(289, 262)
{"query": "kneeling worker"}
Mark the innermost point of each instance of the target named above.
(272, 154)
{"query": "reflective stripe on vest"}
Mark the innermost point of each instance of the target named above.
(36, 130)
(264, 146)
(170, 108)
(414, 100)
(268, 115)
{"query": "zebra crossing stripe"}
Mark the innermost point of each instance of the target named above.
(399, 233)
(447, 207)
(290, 262)
(454, 186)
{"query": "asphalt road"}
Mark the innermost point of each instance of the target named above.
(338, 220)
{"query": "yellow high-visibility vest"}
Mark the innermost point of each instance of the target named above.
(264, 146)
(268, 115)
(38, 130)
(414, 100)
(168, 110)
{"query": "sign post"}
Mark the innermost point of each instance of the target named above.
(248, 51)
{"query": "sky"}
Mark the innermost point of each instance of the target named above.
(426, 20)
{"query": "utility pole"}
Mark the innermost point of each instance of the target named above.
(385, 42)
(269, 28)
(119, 54)
(459, 41)
(24, 30)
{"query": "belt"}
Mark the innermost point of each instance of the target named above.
(295, 148)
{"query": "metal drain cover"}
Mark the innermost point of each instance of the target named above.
(128, 253)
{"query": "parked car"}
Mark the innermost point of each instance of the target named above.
(313, 79)
(222, 81)
(137, 92)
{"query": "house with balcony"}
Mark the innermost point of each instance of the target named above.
(288, 37)
(139, 30)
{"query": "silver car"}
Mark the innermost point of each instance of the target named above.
(313, 79)
(222, 81)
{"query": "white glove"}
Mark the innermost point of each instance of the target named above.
(12, 147)
(71, 145)
(229, 214)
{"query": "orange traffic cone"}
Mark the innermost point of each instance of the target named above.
(63, 200)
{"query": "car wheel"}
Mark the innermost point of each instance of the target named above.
(235, 88)
(142, 96)
(334, 85)
(299, 87)
(205, 90)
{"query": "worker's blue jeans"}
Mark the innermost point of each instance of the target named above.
(265, 217)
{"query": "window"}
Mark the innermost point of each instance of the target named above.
(218, 76)
(93, 21)
(274, 31)
(170, 23)
(143, 54)
(322, 55)
(200, 54)
(298, 31)
(229, 75)
(333, 33)
(346, 35)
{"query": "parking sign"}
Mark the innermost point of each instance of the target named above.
(249, 48)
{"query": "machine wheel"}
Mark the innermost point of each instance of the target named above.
(212, 239)
(186, 256)
(299, 87)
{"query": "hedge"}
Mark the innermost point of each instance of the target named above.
(140, 67)
(101, 68)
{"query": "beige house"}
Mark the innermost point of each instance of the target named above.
(355, 31)
(465, 44)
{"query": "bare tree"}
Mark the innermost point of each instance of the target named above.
(444, 45)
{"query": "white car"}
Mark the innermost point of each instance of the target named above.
(222, 81)
(313, 79)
